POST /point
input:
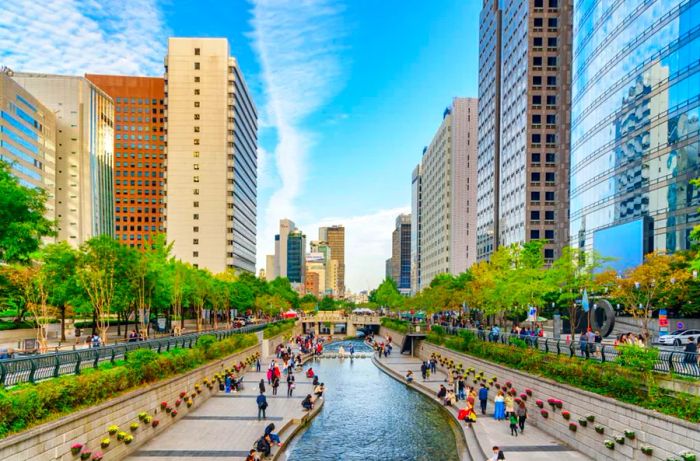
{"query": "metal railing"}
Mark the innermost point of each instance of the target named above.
(679, 362)
(52, 365)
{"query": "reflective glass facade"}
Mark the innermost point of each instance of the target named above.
(635, 119)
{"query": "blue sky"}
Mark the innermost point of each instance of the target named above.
(348, 92)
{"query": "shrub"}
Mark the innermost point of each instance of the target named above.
(647, 450)
(609, 444)
(398, 325)
(274, 329)
(206, 341)
(599, 429)
(572, 427)
(105, 442)
(113, 429)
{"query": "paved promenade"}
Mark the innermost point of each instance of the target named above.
(226, 425)
(533, 444)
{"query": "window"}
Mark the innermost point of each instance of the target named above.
(196, 66)
(196, 51)
(549, 234)
(539, 3)
(534, 215)
(535, 176)
(537, 41)
(537, 61)
(196, 116)
(195, 254)
(551, 80)
(536, 119)
(195, 216)
(195, 204)
(196, 166)
(196, 80)
(552, 42)
(549, 196)
(537, 100)
(550, 176)
(548, 253)
(196, 104)
(195, 191)
(535, 196)
(195, 154)
(195, 229)
(536, 156)
(552, 61)
(549, 215)
(553, 3)
(196, 129)
(538, 22)
(551, 157)
(536, 138)
(552, 22)
(196, 141)
(196, 179)
(551, 100)
(537, 80)
(551, 138)
(534, 234)
(551, 119)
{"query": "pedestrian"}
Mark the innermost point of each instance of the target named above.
(499, 411)
(483, 398)
(264, 446)
(513, 424)
(509, 404)
(308, 402)
(583, 345)
(433, 365)
(424, 370)
(521, 412)
(227, 383)
(257, 364)
(274, 438)
(262, 406)
(269, 375)
(290, 384)
(497, 455)
(262, 386)
(275, 384)
(251, 456)
(690, 357)
(318, 390)
(460, 388)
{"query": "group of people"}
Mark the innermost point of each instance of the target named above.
(631, 338)
(589, 343)
(382, 348)
(319, 388)
(506, 408)
(264, 444)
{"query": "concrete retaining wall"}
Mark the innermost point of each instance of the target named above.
(52, 441)
(667, 436)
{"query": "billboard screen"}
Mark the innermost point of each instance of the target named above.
(624, 242)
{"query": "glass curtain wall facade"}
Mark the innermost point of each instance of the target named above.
(296, 257)
(635, 122)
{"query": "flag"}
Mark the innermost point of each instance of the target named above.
(584, 301)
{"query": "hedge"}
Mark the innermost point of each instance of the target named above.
(273, 329)
(31, 404)
(609, 379)
(397, 325)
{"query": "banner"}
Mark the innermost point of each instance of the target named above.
(663, 322)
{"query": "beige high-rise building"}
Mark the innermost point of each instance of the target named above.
(28, 138)
(84, 153)
(446, 195)
(335, 237)
(212, 156)
(287, 226)
(270, 267)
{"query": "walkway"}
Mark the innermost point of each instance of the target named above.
(532, 444)
(226, 425)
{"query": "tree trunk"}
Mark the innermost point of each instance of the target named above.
(94, 322)
(63, 323)
(119, 324)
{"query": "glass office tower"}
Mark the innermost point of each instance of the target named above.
(634, 130)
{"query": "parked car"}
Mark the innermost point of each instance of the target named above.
(678, 337)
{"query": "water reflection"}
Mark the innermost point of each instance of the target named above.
(369, 416)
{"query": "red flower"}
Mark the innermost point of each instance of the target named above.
(539, 403)
(178, 402)
(544, 413)
(528, 392)
(163, 405)
(566, 414)
(173, 413)
(182, 394)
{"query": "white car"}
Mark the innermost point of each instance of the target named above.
(679, 337)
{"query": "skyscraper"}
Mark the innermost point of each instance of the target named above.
(635, 128)
(441, 196)
(28, 138)
(400, 268)
(335, 237)
(524, 91)
(212, 156)
(296, 256)
(287, 226)
(84, 144)
(139, 156)
(416, 228)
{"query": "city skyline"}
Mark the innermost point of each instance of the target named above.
(314, 138)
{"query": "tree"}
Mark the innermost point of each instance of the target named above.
(22, 218)
(387, 294)
(647, 287)
(327, 304)
(58, 267)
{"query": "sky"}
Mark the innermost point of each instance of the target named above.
(348, 92)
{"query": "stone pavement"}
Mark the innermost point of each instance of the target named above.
(226, 425)
(533, 444)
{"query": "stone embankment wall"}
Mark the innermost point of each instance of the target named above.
(665, 435)
(53, 440)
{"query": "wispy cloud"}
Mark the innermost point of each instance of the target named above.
(78, 36)
(297, 45)
(367, 245)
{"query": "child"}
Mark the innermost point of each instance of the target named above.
(513, 424)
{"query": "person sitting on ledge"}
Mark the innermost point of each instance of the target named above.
(315, 381)
(307, 403)
(318, 390)
(450, 398)
(310, 373)
(251, 456)
(409, 376)
(274, 438)
(442, 392)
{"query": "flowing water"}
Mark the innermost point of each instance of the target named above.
(368, 416)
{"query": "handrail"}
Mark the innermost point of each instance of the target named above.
(679, 362)
(52, 365)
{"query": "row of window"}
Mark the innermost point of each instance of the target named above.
(137, 192)
(552, 23)
(535, 215)
(538, 60)
(139, 173)
(139, 200)
(137, 210)
(536, 176)
(138, 219)
(139, 182)
(550, 99)
(137, 127)
(139, 119)
(140, 137)
(139, 164)
(153, 102)
(549, 138)
(139, 155)
(138, 110)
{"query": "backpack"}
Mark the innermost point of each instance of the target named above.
(261, 445)
(501, 455)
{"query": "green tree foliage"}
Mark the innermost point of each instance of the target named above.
(22, 218)
(387, 294)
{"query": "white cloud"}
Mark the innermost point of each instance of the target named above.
(83, 36)
(367, 245)
(296, 43)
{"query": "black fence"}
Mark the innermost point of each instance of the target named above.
(670, 361)
(52, 365)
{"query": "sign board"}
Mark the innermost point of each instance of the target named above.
(532, 314)
(680, 326)
(663, 322)
(161, 323)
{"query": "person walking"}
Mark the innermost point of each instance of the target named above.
(460, 388)
(521, 413)
(513, 424)
(583, 345)
(499, 411)
(262, 386)
(262, 405)
(275, 384)
(290, 384)
(483, 398)
(690, 357)
(268, 375)
(257, 364)
(509, 404)
(424, 370)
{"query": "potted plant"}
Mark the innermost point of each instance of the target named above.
(113, 429)
(528, 392)
(559, 404)
(609, 444)
(121, 435)
(189, 403)
(630, 434)
(544, 413)
(173, 413)
(523, 397)
(142, 415)
(572, 427)
(509, 384)
(134, 426)
(163, 405)
(183, 394)
(566, 415)
(75, 448)
(85, 454)
(178, 402)
(148, 419)
(539, 403)
(128, 439)
(620, 439)
(168, 409)
(105, 442)
(583, 422)
(97, 456)
(590, 418)
(647, 450)
(599, 429)
(155, 423)
(688, 456)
